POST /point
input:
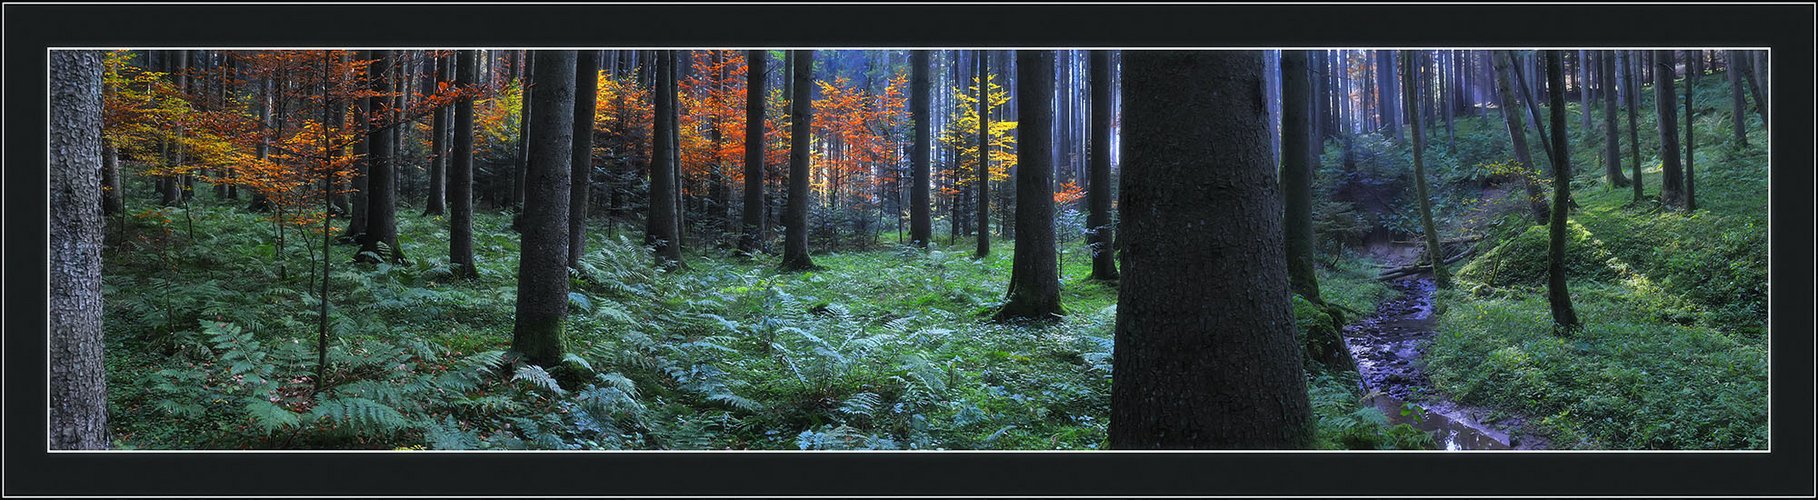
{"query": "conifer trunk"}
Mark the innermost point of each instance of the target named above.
(801, 116)
(542, 298)
(78, 379)
(1558, 298)
(1034, 273)
(1102, 237)
(460, 174)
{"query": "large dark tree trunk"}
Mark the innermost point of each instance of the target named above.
(1102, 235)
(542, 303)
(751, 239)
(801, 116)
(460, 174)
(381, 175)
(661, 231)
(921, 227)
(1297, 161)
(1435, 255)
(586, 94)
(1506, 101)
(983, 184)
(1559, 300)
(1672, 193)
(1733, 68)
(1034, 272)
(78, 380)
(438, 156)
(1206, 350)
(1612, 138)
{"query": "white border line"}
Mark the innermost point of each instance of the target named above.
(1767, 126)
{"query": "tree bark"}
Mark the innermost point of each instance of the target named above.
(1612, 139)
(1558, 299)
(1206, 350)
(1098, 183)
(1691, 85)
(381, 195)
(460, 175)
(983, 190)
(661, 231)
(801, 117)
(1297, 162)
(438, 155)
(1034, 273)
(586, 95)
(78, 378)
(1518, 134)
(1417, 128)
(1632, 92)
(1733, 68)
(1754, 84)
(1672, 192)
(542, 302)
(921, 225)
(752, 216)
(113, 198)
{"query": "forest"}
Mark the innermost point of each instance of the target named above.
(960, 249)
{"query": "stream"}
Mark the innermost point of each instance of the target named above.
(1387, 345)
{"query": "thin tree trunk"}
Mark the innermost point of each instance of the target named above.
(1733, 68)
(983, 190)
(1632, 86)
(1511, 116)
(438, 155)
(1102, 235)
(460, 175)
(752, 217)
(1612, 139)
(1297, 162)
(801, 117)
(1558, 298)
(1435, 254)
(1691, 84)
(586, 95)
(921, 227)
(1672, 185)
(1206, 351)
(662, 231)
(381, 196)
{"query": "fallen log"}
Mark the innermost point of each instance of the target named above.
(1417, 268)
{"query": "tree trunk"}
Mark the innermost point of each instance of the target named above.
(525, 114)
(1102, 235)
(542, 302)
(1034, 273)
(1612, 139)
(1206, 350)
(921, 225)
(1754, 83)
(381, 196)
(801, 117)
(78, 379)
(1297, 162)
(1517, 133)
(586, 94)
(1691, 85)
(661, 231)
(1733, 68)
(1559, 300)
(1632, 88)
(752, 217)
(356, 197)
(983, 189)
(113, 198)
(1672, 192)
(1434, 252)
(436, 203)
(460, 175)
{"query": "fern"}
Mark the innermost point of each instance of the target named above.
(270, 417)
(360, 415)
(536, 376)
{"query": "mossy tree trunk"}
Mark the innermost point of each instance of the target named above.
(1435, 253)
(1511, 117)
(1558, 298)
(1297, 159)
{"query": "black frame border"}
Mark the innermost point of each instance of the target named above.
(1786, 28)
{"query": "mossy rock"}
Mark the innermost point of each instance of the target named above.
(1317, 328)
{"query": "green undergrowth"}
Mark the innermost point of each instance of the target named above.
(1673, 352)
